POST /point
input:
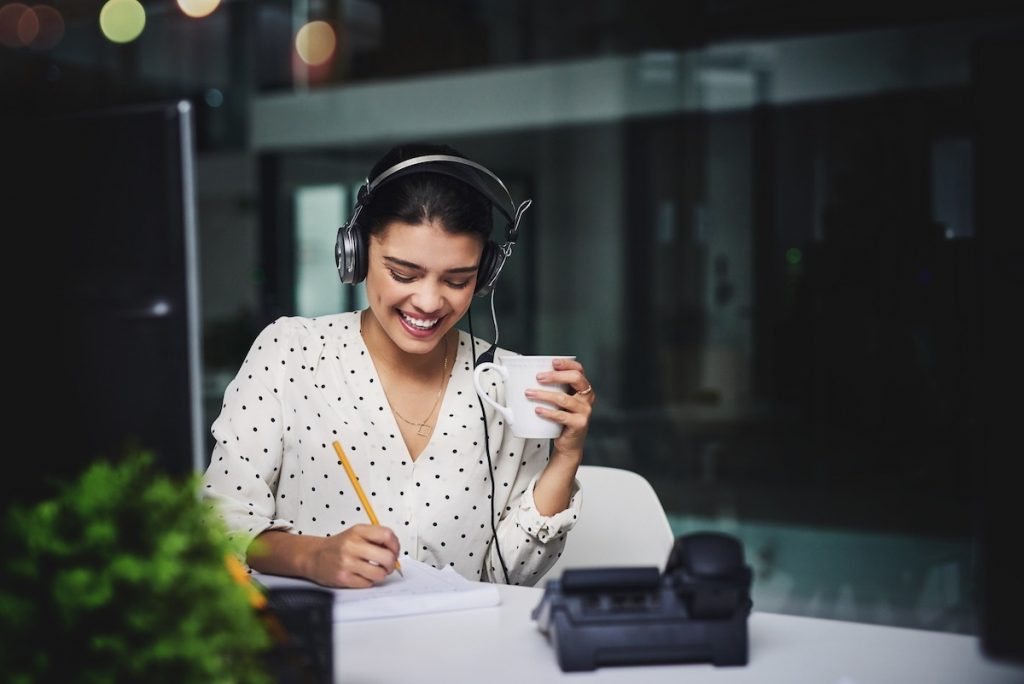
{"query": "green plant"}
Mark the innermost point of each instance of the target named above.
(122, 578)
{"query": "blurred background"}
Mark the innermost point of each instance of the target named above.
(761, 225)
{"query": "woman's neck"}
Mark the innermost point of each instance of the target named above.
(383, 350)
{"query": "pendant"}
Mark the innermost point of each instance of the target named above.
(423, 430)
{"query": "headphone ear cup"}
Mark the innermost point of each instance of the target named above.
(491, 262)
(350, 254)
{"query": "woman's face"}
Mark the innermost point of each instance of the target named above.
(420, 281)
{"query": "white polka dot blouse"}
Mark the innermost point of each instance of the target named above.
(307, 382)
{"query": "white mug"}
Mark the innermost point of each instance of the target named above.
(520, 374)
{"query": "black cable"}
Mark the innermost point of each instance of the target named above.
(487, 446)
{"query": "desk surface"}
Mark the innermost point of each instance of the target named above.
(503, 644)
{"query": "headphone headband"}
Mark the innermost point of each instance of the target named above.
(350, 246)
(513, 214)
(371, 185)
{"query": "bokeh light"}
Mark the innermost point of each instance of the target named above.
(39, 26)
(122, 20)
(10, 18)
(315, 42)
(198, 8)
(214, 97)
(793, 256)
(51, 27)
(28, 27)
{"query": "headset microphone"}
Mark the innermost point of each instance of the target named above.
(487, 356)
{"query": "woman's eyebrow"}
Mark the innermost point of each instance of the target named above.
(416, 267)
(403, 263)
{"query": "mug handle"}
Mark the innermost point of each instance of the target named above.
(501, 370)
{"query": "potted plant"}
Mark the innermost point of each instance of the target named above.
(122, 577)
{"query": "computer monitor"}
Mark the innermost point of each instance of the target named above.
(124, 232)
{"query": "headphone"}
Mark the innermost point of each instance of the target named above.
(351, 253)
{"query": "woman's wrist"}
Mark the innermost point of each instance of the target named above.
(281, 553)
(552, 492)
(306, 558)
(567, 458)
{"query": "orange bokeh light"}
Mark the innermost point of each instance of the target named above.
(315, 42)
(51, 27)
(198, 8)
(28, 26)
(10, 19)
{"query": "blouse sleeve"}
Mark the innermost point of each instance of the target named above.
(530, 542)
(241, 480)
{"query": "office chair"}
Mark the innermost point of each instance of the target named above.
(621, 523)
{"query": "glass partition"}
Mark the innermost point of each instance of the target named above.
(762, 252)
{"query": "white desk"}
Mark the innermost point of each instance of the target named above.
(502, 644)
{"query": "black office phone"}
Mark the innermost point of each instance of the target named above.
(695, 611)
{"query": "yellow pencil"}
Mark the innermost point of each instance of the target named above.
(359, 491)
(240, 575)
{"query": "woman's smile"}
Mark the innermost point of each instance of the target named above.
(419, 326)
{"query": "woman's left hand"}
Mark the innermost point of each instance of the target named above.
(572, 410)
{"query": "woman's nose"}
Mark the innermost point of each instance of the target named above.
(427, 297)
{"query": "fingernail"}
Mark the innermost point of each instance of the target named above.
(530, 393)
(542, 376)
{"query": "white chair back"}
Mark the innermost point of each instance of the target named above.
(622, 523)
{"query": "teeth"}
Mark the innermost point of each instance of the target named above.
(418, 323)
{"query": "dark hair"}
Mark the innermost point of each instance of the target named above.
(424, 197)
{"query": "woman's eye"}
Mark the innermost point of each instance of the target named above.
(401, 278)
(458, 285)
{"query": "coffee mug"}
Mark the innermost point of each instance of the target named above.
(520, 374)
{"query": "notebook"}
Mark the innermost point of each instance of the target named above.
(424, 589)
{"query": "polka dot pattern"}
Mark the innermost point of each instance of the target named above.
(307, 382)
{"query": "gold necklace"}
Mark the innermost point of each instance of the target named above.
(422, 428)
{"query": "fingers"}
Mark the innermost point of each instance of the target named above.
(568, 402)
(360, 574)
(571, 420)
(363, 555)
(559, 399)
(377, 534)
(376, 544)
(566, 377)
(571, 411)
(567, 372)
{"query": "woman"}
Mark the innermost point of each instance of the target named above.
(393, 385)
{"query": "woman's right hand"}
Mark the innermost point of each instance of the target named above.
(359, 557)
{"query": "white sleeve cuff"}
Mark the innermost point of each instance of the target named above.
(545, 528)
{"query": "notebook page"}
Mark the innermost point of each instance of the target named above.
(423, 589)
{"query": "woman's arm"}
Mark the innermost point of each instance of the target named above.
(241, 480)
(359, 557)
(243, 475)
(531, 532)
(554, 486)
(530, 541)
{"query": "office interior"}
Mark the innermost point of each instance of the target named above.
(758, 224)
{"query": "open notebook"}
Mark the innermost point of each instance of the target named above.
(424, 589)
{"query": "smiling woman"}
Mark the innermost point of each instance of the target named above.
(393, 384)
